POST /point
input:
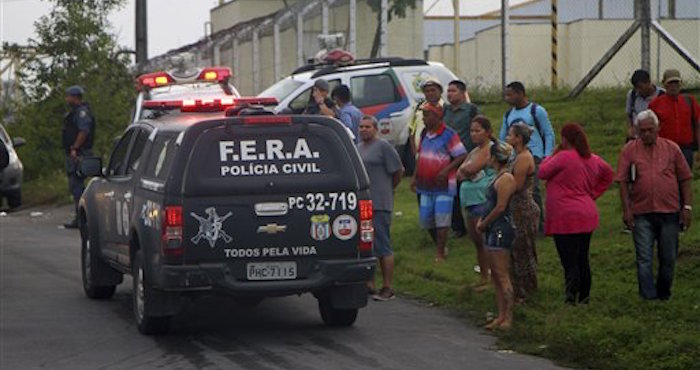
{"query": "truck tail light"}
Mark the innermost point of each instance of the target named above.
(366, 227)
(267, 120)
(171, 233)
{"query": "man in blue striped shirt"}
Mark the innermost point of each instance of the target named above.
(347, 112)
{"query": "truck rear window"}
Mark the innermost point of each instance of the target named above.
(270, 159)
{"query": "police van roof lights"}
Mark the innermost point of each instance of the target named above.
(207, 104)
(155, 79)
(219, 74)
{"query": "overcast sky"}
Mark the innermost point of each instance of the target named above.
(172, 23)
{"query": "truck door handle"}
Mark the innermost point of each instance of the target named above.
(395, 114)
(109, 194)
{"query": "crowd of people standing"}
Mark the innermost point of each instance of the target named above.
(469, 181)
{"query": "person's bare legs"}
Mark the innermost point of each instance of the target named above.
(500, 270)
(441, 241)
(481, 257)
(387, 266)
(498, 288)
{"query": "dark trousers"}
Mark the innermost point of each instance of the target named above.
(537, 195)
(688, 154)
(663, 229)
(457, 219)
(573, 253)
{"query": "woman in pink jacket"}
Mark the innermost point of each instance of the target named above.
(575, 179)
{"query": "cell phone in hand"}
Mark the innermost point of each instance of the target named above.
(633, 172)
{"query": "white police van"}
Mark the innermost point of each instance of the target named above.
(387, 88)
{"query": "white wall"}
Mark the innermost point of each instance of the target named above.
(581, 45)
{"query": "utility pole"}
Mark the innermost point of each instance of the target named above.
(456, 51)
(645, 17)
(141, 32)
(505, 13)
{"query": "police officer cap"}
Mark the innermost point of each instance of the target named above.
(322, 84)
(75, 90)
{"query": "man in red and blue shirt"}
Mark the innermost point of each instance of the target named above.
(678, 115)
(440, 153)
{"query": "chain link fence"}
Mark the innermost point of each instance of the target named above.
(585, 30)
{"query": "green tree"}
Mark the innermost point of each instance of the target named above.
(397, 8)
(74, 46)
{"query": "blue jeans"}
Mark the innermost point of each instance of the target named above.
(662, 228)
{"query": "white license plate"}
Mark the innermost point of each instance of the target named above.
(271, 270)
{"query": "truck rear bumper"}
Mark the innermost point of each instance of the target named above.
(220, 277)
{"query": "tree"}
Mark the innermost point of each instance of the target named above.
(74, 46)
(396, 8)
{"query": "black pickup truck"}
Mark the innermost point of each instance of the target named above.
(249, 206)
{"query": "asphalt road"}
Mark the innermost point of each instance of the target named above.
(47, 322)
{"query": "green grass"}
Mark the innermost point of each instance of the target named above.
(617, 330)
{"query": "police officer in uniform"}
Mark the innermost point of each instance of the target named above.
(78, 135)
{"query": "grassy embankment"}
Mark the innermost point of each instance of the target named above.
(617, 330)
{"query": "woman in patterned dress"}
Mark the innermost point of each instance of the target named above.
(525, 214)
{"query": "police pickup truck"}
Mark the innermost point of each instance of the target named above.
(248, 206)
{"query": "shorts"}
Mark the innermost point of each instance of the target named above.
(382, 235)
(477, 210)
(435, 211)
(499, 236)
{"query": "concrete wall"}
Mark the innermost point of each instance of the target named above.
(405, 37)
(237, 11)
(581, 45)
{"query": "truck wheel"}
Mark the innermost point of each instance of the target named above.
(91, 266)
(14, 198)
(335, 317)
(143, 294)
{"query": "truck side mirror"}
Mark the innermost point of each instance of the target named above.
(90, 166)
(18, 142)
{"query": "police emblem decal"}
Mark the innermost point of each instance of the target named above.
(320, 228)
(211, 227)
(344, 227)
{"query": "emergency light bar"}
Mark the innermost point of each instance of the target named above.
(155, 79)
(207, 104)
(162, 78)
(219, 74)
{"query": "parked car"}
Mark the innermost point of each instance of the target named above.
(11, 176)
(388, 88)
(251, 206)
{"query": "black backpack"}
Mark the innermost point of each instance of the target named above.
(633, 97)
(533, 113)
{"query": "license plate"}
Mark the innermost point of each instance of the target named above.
(271, 270)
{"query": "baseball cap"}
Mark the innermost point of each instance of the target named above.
(431, 82)
(671, 75)
(75, 90)
(322, 84)
(430, 107)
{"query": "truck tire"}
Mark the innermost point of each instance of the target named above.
(14, 198)
(142, 298)
(333, 316)
(91, 266)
